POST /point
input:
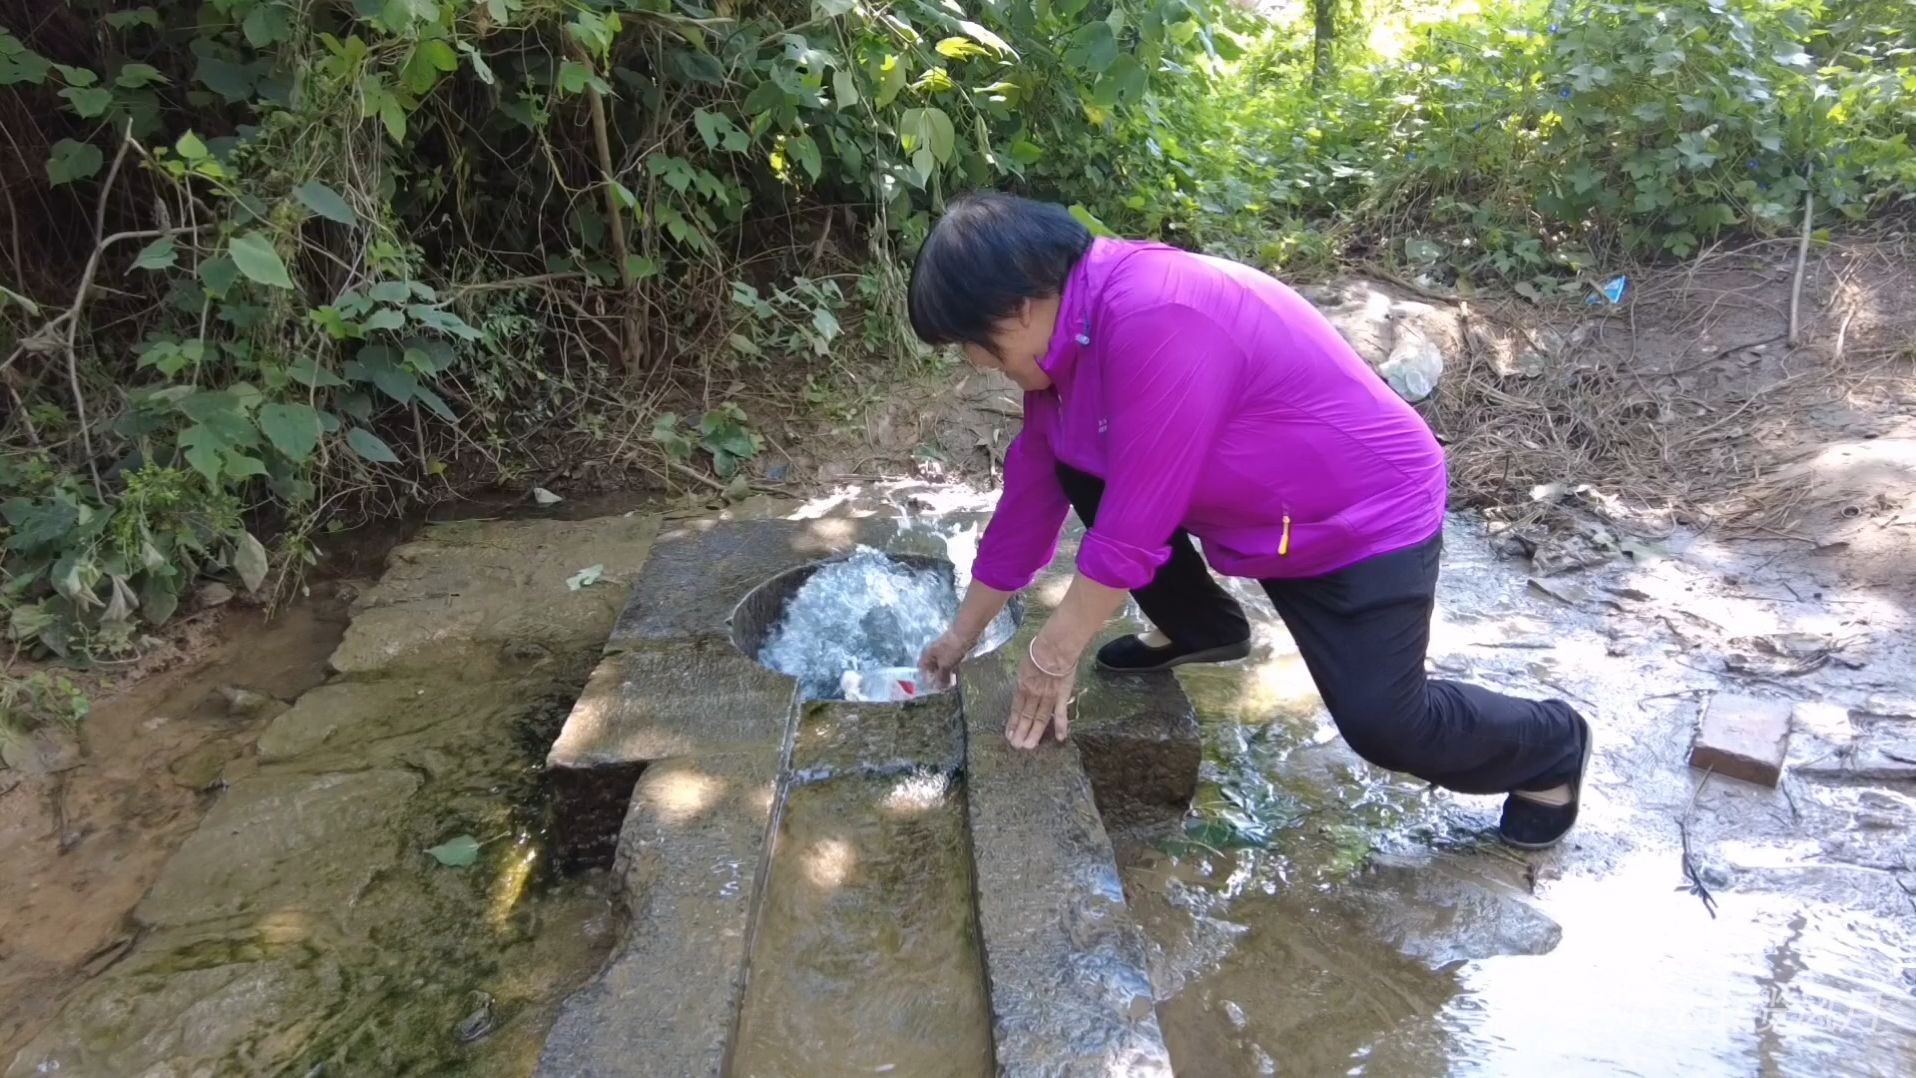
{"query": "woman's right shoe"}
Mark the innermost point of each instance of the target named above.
(1131, 655)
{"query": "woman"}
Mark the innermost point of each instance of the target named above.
(1168, 396)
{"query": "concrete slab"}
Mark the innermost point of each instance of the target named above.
(1070, 989)
(688, 859)
(1744, 737)
(865, 954)
(835, 738)
(686, 699)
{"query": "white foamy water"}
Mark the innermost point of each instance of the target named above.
(864, 613)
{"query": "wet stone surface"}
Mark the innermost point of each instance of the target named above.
(687, 862)
(865, 956)
(303, 928)
(1071, 993)
(836, 739)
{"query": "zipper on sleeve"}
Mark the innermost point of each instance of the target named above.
(1284, 541)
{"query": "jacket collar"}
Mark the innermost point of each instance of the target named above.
(1074, 331)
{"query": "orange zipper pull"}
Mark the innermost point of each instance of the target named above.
(1284, 542)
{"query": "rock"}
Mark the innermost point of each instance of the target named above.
(46, 750)
(275, 843)
(215, 594)
(199, 769)
(1744, 737)
(1413, 367)
(225, 1018)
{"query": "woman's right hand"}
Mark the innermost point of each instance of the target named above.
(942, 656)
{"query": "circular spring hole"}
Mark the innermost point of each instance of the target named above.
(760, 613)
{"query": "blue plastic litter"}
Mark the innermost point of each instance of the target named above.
(1611, 290)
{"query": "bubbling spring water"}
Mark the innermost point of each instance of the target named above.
(864, 613)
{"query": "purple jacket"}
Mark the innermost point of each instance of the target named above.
(1208, 396)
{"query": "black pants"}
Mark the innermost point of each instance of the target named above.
(1362, 632)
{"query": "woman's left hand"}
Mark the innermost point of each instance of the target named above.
(1041, 699)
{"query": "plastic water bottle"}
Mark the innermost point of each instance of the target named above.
(885, 685)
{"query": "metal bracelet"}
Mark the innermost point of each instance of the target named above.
(1031, 650)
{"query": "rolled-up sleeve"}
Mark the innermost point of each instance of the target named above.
(1168, 380)
(1022, 536)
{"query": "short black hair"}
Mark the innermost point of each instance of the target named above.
(987, 254)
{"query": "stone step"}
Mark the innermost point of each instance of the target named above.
(819, 887)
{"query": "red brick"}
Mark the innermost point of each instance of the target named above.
(1743, 737)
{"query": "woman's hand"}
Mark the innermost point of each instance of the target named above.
(942, 656)
(1042, 698)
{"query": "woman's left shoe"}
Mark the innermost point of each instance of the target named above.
(1538, 819)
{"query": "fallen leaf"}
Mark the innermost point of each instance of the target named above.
(586, 577)
(542, 496)
(458, 852)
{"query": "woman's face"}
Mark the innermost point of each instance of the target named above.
(1018, 343)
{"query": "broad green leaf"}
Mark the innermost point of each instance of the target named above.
(891, 79)
(844, 89)
(308, 372)
(574, 77)
(190, 148)
(253, 253)
(139, 16)
(369, 447)
(76, 76)
(939, 134)
(135, 76)
(73, 161)
(804, 150)
(293, 428)
(831, 9)
(959, 48)
(269, 23)
(640, 268)
(229, 80)
(158, 255)
(159, 598)
(326, 202)
(458, 852)
(989, 39)
(390, 292)
(435, 403)
(87, 102)
(385, 318)
(218, 275)
(249, 561)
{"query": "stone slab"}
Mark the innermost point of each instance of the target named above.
(699, 570)
(1744, 737)
(1071, 992)
(865, 952)
(835, 738)
(693, 698)
(1138, 736)
(277, 842)
(496, 582)
(689, 858)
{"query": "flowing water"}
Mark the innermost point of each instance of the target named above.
(867, 612)
(1316, 916)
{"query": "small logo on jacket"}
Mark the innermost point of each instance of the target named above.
(1104, 427)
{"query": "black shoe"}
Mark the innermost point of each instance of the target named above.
(1131, 655)
(1530, 825)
